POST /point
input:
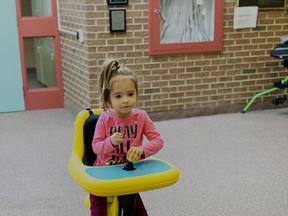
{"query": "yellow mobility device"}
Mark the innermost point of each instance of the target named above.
(112, 181)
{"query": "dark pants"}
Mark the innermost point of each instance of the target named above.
(99, 206)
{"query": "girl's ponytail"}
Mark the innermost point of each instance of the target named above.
(109, 66)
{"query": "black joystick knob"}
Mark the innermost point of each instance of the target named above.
(129, 166)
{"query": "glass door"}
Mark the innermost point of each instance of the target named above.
(40, 54)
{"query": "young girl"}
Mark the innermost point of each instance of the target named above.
(119, 131)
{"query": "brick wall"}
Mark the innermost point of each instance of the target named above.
(172, 85)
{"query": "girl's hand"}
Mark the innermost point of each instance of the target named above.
(116, 138)
(134, 154)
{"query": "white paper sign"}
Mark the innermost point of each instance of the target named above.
(245, 17)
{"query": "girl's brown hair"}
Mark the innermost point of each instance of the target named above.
(111, 68)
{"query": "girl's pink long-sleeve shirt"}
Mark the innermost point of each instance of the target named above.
(133, 129)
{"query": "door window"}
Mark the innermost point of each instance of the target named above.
(36, 8)
(40, 64)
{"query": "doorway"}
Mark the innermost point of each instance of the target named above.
(40, 54)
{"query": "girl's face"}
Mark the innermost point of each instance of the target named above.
(123, 97)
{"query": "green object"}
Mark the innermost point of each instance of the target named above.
(262, 93)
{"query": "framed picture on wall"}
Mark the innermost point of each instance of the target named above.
(264, 4)
(117, 19)
(117, 2)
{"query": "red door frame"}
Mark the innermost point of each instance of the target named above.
(30, 27)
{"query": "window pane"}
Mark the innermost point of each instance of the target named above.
(186, 21)
(36, 8)
(40, 64)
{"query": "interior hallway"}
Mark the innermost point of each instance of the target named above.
(230, 165)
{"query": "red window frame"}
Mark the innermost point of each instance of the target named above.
(156, 48)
